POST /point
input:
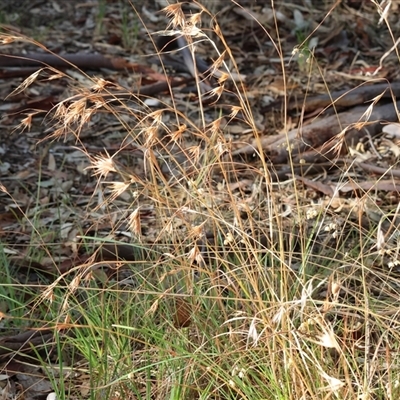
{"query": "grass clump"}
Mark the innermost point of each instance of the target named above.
(232, 286)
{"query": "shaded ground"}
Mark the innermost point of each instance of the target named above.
(347, 53)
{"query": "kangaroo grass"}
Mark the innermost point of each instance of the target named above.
(237, 287)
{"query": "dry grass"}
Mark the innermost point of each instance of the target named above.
(286, 298)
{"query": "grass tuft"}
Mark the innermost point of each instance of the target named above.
(235, 286)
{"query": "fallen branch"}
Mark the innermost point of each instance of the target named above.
(322, 132)
(379, 170)
(79, 60)
(343, 98)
